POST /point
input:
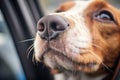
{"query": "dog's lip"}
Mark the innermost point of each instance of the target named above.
(74, 66)
(62, 62)
(82, 64)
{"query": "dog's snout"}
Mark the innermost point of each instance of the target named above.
(51, 26)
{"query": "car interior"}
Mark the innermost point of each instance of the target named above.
(18, 20)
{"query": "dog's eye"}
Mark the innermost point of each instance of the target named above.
(105, 16)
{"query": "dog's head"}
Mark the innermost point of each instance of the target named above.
(82, 36)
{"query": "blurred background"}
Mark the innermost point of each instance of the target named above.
(50, 5)
(18, 19)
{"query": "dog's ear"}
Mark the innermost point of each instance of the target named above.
(65, 6)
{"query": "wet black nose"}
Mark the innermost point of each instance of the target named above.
(51, 26)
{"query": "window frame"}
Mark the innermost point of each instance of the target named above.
(19, 31)
(15, 19)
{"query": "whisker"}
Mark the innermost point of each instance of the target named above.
(57, 49)
(29, 47)
(27, 40)
(33, 59)
(29, 50)
(97, 46)
(101, 61)
(107, 67)
(95, 56)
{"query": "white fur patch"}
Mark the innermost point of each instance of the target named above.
(78, 37)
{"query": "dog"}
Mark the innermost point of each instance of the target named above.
(80, 41)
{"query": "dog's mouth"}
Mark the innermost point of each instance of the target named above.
(58, 58)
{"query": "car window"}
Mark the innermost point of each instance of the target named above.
(49, 6)
(10, 66)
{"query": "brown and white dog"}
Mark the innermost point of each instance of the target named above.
(81, 40)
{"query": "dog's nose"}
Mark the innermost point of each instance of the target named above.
(49, 27)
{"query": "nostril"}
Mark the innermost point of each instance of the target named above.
(53, 25)
(41, 27)
(57, 27)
